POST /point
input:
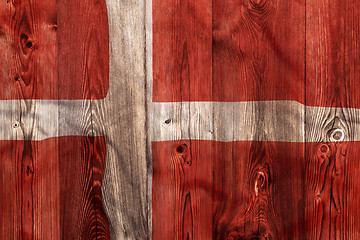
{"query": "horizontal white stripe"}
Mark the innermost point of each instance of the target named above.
(251, 121)
(220, 121)
(41, 119)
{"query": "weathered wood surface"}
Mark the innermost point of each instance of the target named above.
(219, 119)
(122, 118)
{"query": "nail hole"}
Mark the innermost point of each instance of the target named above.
(16, 78)
(337, 135)
(168, 121)
(16, 124)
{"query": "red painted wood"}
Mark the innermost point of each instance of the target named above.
(83, 38)
(182, 43)
(246, 190)
(332, 53)
(260, 50)
(182, 190)
(54, 49)
(256, 50)
(238, 190)
(228, 50)
(52, 189)
(332, 191)
(332, 79)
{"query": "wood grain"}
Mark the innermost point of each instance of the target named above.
(52, 189)
(83, 49)
(324, 209)
(121, 118)
(54, 184)
(228, 51)
(332, 71)
(258, 50)
(52, 51)
(202, 53)
(182, 50)
(232, 190)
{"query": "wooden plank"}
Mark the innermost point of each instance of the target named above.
(82, 215)
(121, 117)
(83, 54)
(332, 72)
(182, 50)
(182, 190)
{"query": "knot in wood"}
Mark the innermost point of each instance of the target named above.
(256, 2)
(259, 6)
(181, 149)
(337, 135)
(324, 149)
(260, 182)
(29, 170)
(26, 43)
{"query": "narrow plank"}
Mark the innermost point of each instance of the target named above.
(53, 189)
(182, 50)
(182, 190)
(83, 50)
(180, 69)
(332, 72)
(10, 220)
(331, 54)
(82, 215)
(121, 118)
